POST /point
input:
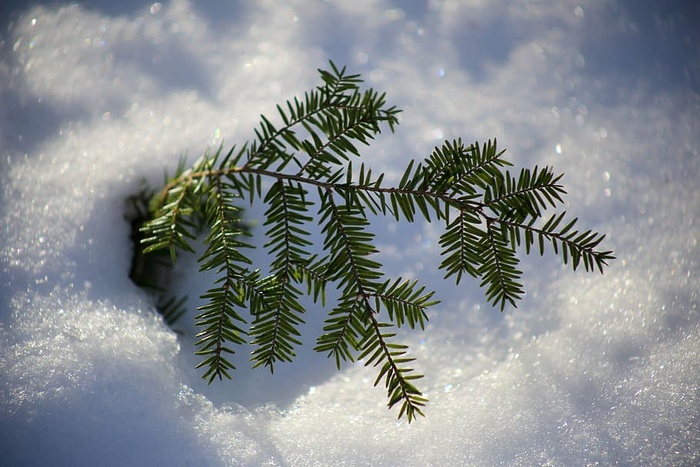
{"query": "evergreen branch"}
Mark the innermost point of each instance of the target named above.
(404, 302)
(397, 201)
(270, 136)
(338, 109)
(574, 245)
(377, 349)
(487, 213)
(351, 269)
(313, 273)
(350, 246)
(460, 169)
(171, 226)
(461, 245)
(498, 270)
(343, 330)
(359, 121)
(274, 330)
(525, 197)
(218, 317)
(482, 163)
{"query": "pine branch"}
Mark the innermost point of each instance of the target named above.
(172, 227)
(397, 378)
(533, 192)
(350, 268)
(223, 254)
(338, 110)
(498, 270)
(573, 244)
(404, 302)
(274, 330)
(461, 245)
(486, 211)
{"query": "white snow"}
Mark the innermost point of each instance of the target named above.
(589, 370)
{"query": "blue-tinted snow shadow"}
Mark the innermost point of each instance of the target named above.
(479, 46)
(484, 46)
(654, 46)
(173, 64)
(109, 422)
(11, 10)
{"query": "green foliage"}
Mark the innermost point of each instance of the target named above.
(302, 170)
(151, 271)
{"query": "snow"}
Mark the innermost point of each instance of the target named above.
(590, 369)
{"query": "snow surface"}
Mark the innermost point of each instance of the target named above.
(589, 370)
